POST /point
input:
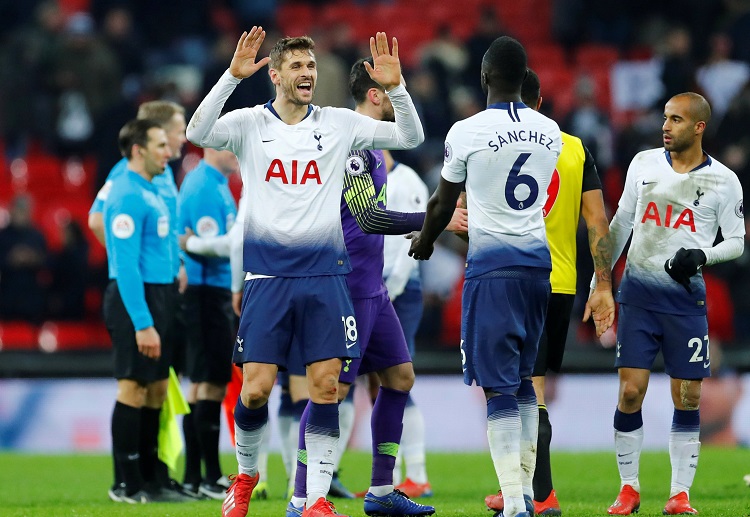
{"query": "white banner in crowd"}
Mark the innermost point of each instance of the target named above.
(64, 416)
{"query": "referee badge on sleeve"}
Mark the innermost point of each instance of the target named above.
(207, 227)
(123, 226)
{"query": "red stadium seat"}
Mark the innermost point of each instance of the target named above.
(17, 335)
(53, 216)
(527, 20)
(295, 19)
(339, 12)
(546, 55)
(411, 37)
(596, 57)
(69, 335)
(557, 87)
(74, 6)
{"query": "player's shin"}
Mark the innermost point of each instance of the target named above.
(346, 426)
(321, 439)
(628, 446)
(298, 480)
(412, 444)
(684, 448)
(504, 437)
(543, 471)
(386, 424)
(529, 413)
(249, 425)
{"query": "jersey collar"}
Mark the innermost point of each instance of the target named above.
(707, 163)
(511, 107)
(140, 180)
(269, 106)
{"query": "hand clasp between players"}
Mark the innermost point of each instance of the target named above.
(420, 249)
(600, 305)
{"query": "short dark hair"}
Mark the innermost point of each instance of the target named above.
(531, 89)
(360, 81)
(135, 132)
(504, 63)
(289, 44)
(700, 110)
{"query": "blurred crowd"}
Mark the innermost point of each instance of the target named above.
(73, 71)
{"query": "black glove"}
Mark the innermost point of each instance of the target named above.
(684, 264)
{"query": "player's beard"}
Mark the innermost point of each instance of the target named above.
(293, 95)
(678, 144)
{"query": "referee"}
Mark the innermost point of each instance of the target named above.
(138, 306)
(206, 206)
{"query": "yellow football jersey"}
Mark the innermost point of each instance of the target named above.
(561, 213)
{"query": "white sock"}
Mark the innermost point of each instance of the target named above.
(504, 437)
(684, 449)
(412, 444)
(628, 447)
(320, 450)
(263, 453)
(397, 479)
(529, 412)
(290, 443)
(287, 457)
(346, 426)
(381, 491)
(248, 445)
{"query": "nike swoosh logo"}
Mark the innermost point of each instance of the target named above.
(648, 182)
(326, 463)
(378, 164)
(626, 454)
(266, 141)
(693, 455)
(349, 346)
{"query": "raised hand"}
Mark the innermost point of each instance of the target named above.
(387, 67)
(243, 63)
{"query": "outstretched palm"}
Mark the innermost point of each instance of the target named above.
(387, 67)
(243, 63)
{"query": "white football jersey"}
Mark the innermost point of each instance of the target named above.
(506, 154)
(293, 177)
(674, 211)
(405, 192)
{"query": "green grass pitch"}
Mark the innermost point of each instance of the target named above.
(586, 483)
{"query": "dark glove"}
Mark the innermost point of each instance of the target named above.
(684, 264)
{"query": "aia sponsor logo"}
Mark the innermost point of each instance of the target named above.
(290, 175)
(667, 217)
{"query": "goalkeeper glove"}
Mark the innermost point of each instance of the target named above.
(684, 264)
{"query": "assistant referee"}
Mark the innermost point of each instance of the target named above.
(138, 306)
